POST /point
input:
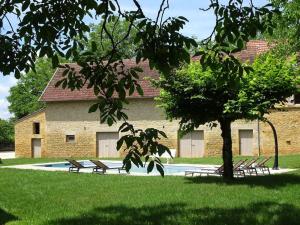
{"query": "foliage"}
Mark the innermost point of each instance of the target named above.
(118, 29)
(6, 132)
(212, 94)
(52, 28)
(23, 97)
(196, 96)
(142, 143)
(287, 31)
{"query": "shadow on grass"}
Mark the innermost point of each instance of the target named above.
(6, 217)
(262, 213)
(270, 181)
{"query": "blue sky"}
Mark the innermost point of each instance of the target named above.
(200, 25)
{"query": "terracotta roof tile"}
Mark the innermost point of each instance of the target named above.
(51, 93)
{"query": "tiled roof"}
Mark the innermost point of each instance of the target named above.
(51, 93)
(253, 48)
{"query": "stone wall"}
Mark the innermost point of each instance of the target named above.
(72, 118)
(287, 124)
(24, 134)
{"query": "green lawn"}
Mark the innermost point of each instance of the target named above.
(52, 198)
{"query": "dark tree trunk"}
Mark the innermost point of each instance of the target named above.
(227, 148)
(276, 164)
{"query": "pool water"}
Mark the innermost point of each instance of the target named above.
(168, 169)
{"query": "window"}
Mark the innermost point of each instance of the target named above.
(70, 138)
(297, 98)
(36, 128)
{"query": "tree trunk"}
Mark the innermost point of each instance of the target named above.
(227, 148)
(275, 166)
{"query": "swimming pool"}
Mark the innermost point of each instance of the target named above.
(174, 169)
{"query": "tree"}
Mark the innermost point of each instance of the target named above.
(52, 28)
(23, 97)
(287, 31)
(197, 96)
(118, 28)
(6, 132)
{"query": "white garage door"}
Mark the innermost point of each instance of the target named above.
(107, 144)
(246, 142)
(192, 145)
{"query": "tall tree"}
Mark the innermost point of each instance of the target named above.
(6, 132)
(52, 28)
(118, 28)
(23, 97)
(197, 96)
(287, 31)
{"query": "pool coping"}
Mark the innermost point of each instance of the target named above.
(35, 166)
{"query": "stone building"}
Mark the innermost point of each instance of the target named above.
(66, 129)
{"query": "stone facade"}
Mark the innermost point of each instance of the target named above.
(60, 119)
(287, 124)
(24, 134)
(72, 118)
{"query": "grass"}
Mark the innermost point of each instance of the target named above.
(51, 198)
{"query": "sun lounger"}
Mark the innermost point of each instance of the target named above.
(262, 165)
(100, 167)
(248, 167)
(207, 171)
(237, 168)
(259, 165)
(76, 166)
(218, 170)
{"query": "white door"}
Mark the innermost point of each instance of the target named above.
(197, 144)
(246, 142)
(107, 144)
(192, 145)
(185, 146)
(36, 148)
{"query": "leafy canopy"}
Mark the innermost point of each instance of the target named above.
(24, 96)
(100, 44)
(287, 31)
(6, 132)
(197, 96)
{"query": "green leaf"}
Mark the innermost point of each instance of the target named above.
(150, 167)
(110, 121)
(25, 4)
(119, 144)
(112, 6)
(55, 61)
(160, 170)
(139, 90)
(240, 44)
(94, 108)
(162, 133)
(110, 92)
(96, 90)
(43, 51)
(101, 8)
(94, 46)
